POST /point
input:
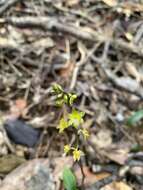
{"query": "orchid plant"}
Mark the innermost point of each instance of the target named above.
(70, 120)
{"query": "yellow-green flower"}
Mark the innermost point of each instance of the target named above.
(67, 149)
(77, 154)
(76, 118)
(62, 125)
(85, 133)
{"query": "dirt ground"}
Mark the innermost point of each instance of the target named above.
(93, 48)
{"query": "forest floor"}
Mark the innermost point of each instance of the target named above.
(93, 48)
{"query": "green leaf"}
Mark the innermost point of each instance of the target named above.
(72, 97)
(136, 117)
(66, 98)
(69, 179)
(57, 88)
(59, 102)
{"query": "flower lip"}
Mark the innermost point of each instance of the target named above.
(77, 154)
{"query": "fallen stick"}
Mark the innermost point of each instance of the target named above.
(7, 4)
(54, 25)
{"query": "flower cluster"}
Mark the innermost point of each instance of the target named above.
(73, 119)
(75, 151)
(63, 97)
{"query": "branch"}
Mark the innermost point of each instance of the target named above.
(7, 5)
(54, 25)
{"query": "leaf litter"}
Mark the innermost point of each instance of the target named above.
(93, 48)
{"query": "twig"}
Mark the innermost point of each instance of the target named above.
(80, 63)
(8, 143)
(48, 145)
(77, 13)
(7, 5)
(138, 35)
(38, 149)
(54, 25)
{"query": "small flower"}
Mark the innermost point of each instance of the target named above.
(77, 154)
(67, 149)
(62, 125)
(85, 133)
(76, 118)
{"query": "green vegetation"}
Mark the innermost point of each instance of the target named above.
(74, 120)
(69, 179)
(135, 118)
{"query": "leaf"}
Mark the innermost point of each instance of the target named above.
(66, 98)
(136, 117)
(120, 186)
(129, 36)
(90, 177)
(59, 102)
(67, 70)
(72, 3)
(69, 179)
(72, 97)
(56, 88)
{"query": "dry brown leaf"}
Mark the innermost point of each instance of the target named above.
(129, 8)
(67, 70)
(131, 69)
(120, 186)
(137, 170)
(119, 155)
(21, 104)
(129, 36)
(60, 163)
(102, 140)
(43, 43)
(117, 186)
(5, 42)
(110, 3)
(132, 7)
(88, 123)
(17, 108)
(90, 177)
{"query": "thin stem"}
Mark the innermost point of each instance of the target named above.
(83, 174)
